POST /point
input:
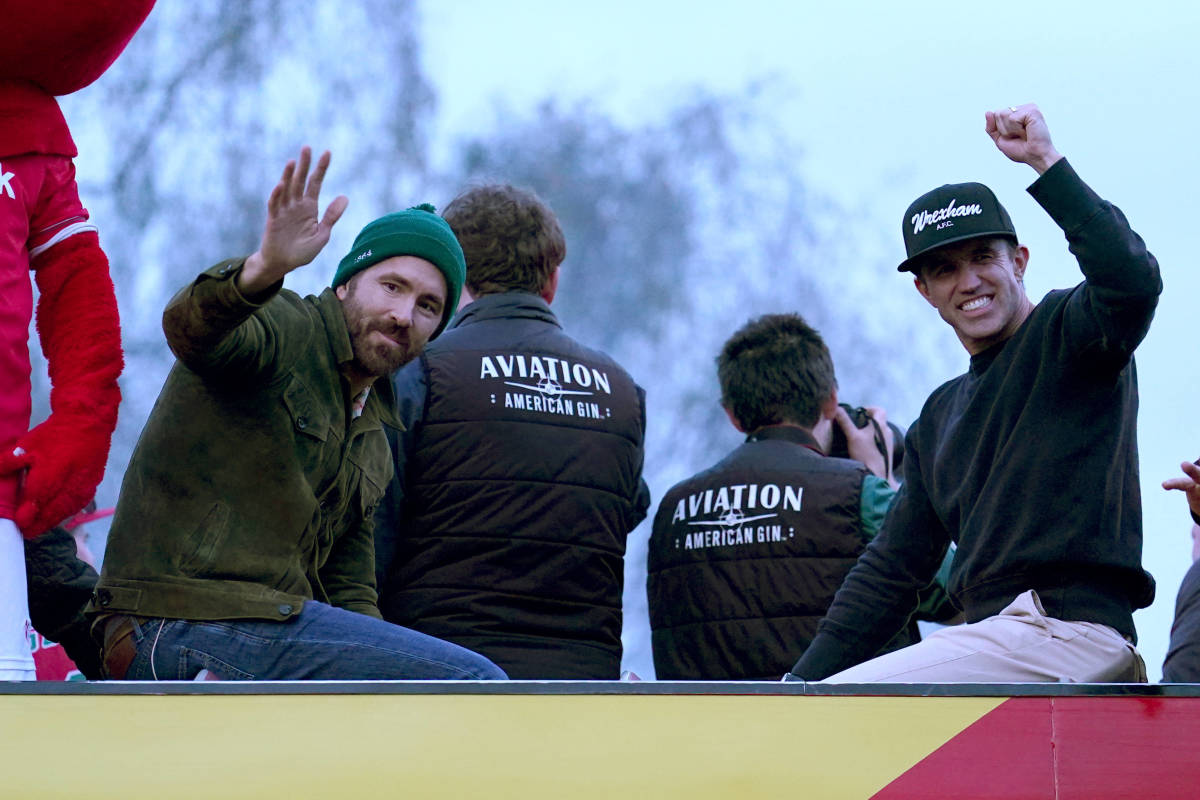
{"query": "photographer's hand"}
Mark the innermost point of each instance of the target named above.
(860, 442)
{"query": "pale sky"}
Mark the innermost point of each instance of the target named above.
(888, 102)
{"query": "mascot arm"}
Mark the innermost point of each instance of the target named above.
(80, 333)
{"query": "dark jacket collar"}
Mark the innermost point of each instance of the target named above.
(505, 305)
(786, 433)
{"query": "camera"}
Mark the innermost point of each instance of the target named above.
(839, 447)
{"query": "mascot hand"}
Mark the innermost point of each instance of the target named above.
(81, 337)
(64, 462)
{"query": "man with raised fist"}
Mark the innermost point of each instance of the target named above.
(1028, 461)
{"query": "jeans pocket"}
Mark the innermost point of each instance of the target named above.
(192, 661)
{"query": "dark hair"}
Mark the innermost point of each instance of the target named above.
(775, 369)
(511, 239)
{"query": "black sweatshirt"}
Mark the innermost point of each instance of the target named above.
(1028, 462)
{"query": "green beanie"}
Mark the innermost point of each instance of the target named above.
(418, 231)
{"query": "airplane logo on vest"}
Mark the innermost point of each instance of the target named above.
(547, 387)
(734, 516)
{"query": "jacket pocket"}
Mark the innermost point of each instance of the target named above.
(308, 418)
(316, 444)
(201, 544)
(374, 466)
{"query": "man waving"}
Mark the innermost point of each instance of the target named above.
(242, 544)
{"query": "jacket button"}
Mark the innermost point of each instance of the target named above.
(301, 422)
(104, 596)
(285, 609)
(225, 270)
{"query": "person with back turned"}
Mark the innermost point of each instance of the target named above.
(745, 556)
(519, 469)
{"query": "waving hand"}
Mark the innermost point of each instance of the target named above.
(293, 235)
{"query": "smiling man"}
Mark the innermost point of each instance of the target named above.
(242, 544)
(1028, 461)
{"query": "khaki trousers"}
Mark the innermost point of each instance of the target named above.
(1018, 645)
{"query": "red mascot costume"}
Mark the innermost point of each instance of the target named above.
(52, 47)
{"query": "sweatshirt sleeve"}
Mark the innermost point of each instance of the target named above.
(1109, 314)
(881, 591)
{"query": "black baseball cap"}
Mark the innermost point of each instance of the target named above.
(952, 213)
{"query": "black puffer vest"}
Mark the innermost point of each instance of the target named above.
(745, 558)
(522, 487)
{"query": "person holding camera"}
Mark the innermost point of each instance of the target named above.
(832, 438)
(745, 557)
(1028, 462)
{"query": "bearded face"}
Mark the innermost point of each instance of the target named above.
(381, 345)
(391, 310)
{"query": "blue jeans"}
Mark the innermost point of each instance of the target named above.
(320, 643)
